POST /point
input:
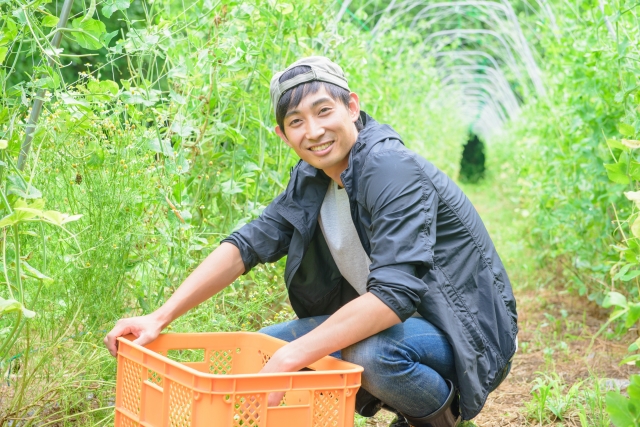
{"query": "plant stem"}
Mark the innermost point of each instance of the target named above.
(39, 99)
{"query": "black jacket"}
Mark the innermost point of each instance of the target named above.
(429, 250)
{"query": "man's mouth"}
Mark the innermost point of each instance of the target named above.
(321, 147)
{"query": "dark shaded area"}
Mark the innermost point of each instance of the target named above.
(472, 164)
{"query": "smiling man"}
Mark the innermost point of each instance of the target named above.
(388, 264)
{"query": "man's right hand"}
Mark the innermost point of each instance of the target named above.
(216, 272)
(144, 328)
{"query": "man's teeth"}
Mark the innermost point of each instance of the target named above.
(321, 147)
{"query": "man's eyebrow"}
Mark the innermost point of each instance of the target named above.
(314, 104)
(290, 112)
(320, 101)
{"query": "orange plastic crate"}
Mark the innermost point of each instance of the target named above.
(223, 388)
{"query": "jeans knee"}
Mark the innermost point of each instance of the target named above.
(377, 358)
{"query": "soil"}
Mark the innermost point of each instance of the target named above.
(542, 327)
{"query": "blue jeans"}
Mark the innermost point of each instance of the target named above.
(405, 366)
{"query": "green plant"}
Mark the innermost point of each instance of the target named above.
(162, 138)
(625, 411)
(551, 400)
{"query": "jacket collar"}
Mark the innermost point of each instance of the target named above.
(302, 199)
(372, 133)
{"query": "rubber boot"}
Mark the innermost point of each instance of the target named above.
(448, 415)
(399, 421)
(367, 405)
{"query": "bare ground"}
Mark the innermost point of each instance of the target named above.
(542, 328)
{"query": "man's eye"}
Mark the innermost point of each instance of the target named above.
(294, 122)
(324, 109)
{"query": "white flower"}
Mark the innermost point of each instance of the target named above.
(634, 196)
(631, 143)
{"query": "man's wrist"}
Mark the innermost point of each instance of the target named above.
(296, 356)
(162, 317)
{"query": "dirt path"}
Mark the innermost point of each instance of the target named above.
(555, 340)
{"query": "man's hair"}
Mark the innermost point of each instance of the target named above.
(293, 97)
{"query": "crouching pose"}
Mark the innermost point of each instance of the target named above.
(388, 264)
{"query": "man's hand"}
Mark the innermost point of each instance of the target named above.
(217, 271)
(281, 361)
(359, 319)
(145, 328)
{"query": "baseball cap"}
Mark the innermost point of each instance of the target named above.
(322, 69)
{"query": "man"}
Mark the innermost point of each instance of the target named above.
(388, 262)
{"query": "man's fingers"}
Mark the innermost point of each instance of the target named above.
(142, 339)
(111, 339)
(275, 398)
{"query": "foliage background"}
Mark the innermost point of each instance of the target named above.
(157, 129)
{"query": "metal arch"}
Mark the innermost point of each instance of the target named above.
(462, 4)
(510, 59)
(480, 98)
(517, 38)
(466, 55)
(480, 89)
(509, 99)
(483, 113)
(477, 78)
(500, 104)
(406, 6)
(481, 95)
(497, 77)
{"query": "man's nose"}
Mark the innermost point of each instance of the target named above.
(314, 130)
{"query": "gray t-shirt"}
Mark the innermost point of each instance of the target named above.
(342, 238)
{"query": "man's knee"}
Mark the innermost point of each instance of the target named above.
(376, 354)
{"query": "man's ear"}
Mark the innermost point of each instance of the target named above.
(354, 106)
(282, 136)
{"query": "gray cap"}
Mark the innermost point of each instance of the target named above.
(322, 69)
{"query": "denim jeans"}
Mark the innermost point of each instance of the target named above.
(405, 366)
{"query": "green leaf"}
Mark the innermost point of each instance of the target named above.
(632, 358)
(626, 129)
(633, 315)
(50, 21)
(635, 273)
(10, 305)
(634, 170)
(102, 91)
(615, 144)
(617, 172)
(614, 298)
(284, 8)
(3, 53)
(59, 218)
(20, 188)
(54, 217)
(91, 32)
(160, 146)
(634, 389)
(618, 409)
(70, 218)
(107, 37)
(34, 273)
(110, 6)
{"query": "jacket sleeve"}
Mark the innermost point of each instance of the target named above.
(402, 204)
(265, 239)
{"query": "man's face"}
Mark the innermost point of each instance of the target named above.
(321, 130)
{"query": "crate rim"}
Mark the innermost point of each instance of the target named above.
(355, 369)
